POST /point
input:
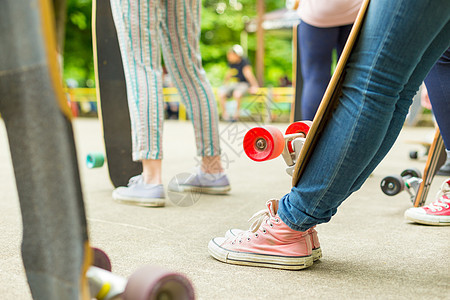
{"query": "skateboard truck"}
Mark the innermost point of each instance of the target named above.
(409, 180)
(297, 141)
(268, 142)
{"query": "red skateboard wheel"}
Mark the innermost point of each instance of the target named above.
(263, 143)
(298, 127)
(101, 259)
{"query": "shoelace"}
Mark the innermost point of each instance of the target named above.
(258, 218)
(443, 199)
(442, 202)
(135, 180)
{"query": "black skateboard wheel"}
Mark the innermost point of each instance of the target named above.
(95, 160)
(392, 185)
(155, 283)
(411, 172)
(413, 155)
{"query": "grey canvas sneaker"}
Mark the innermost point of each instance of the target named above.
(139, 193)
(200, 182)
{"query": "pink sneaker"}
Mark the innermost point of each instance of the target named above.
(316, 250)
(268, 243)
(436, 213)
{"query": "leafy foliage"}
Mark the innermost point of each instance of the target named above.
(223, 23)
(78, 59)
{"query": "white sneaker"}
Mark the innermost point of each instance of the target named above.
(200, 182)
(436, 213)
(139, 193)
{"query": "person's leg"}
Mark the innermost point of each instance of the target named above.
(437, 82)
(344, 32)
(382, 78)
(239, 92)
(223, 102)
(224, 93)
(179, 33)
(438, 86)
(315, 46)
(136, 24)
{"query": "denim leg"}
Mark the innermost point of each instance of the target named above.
(392, 57)
(405, 101)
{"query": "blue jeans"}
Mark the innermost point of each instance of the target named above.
(438, 86)
(399, 43)
(316, 46)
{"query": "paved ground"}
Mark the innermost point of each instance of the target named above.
(369, 251)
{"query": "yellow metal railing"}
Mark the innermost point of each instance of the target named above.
(267, 97)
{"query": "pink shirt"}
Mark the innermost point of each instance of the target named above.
(328, 13)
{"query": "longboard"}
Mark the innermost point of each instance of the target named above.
(296, 111)
(58, 260)
(55, 248)
(112, 96)
(436, 158)
(330, 98)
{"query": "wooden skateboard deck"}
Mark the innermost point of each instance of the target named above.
(112, 96)
(436, 158)
(58, 260)
(296, 111)
(329, 100)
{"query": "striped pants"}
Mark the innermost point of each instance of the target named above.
(144, 28)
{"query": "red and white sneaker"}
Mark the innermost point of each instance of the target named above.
(268, 243)
(436, 213)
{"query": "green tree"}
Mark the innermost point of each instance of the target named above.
(222, 23)
(78, 59)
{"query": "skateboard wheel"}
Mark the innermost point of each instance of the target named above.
(413, 154)
(101, 259)
(298, 127)
(95, 160)
(263, 143)
(412, 172)
(392, 185)
(155, 283)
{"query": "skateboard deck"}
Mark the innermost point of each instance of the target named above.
(436, 158)
(55, 247)
(330, 98)
(112, 96)
(59, 262)
(296, 111)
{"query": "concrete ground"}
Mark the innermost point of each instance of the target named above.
(369, 250)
